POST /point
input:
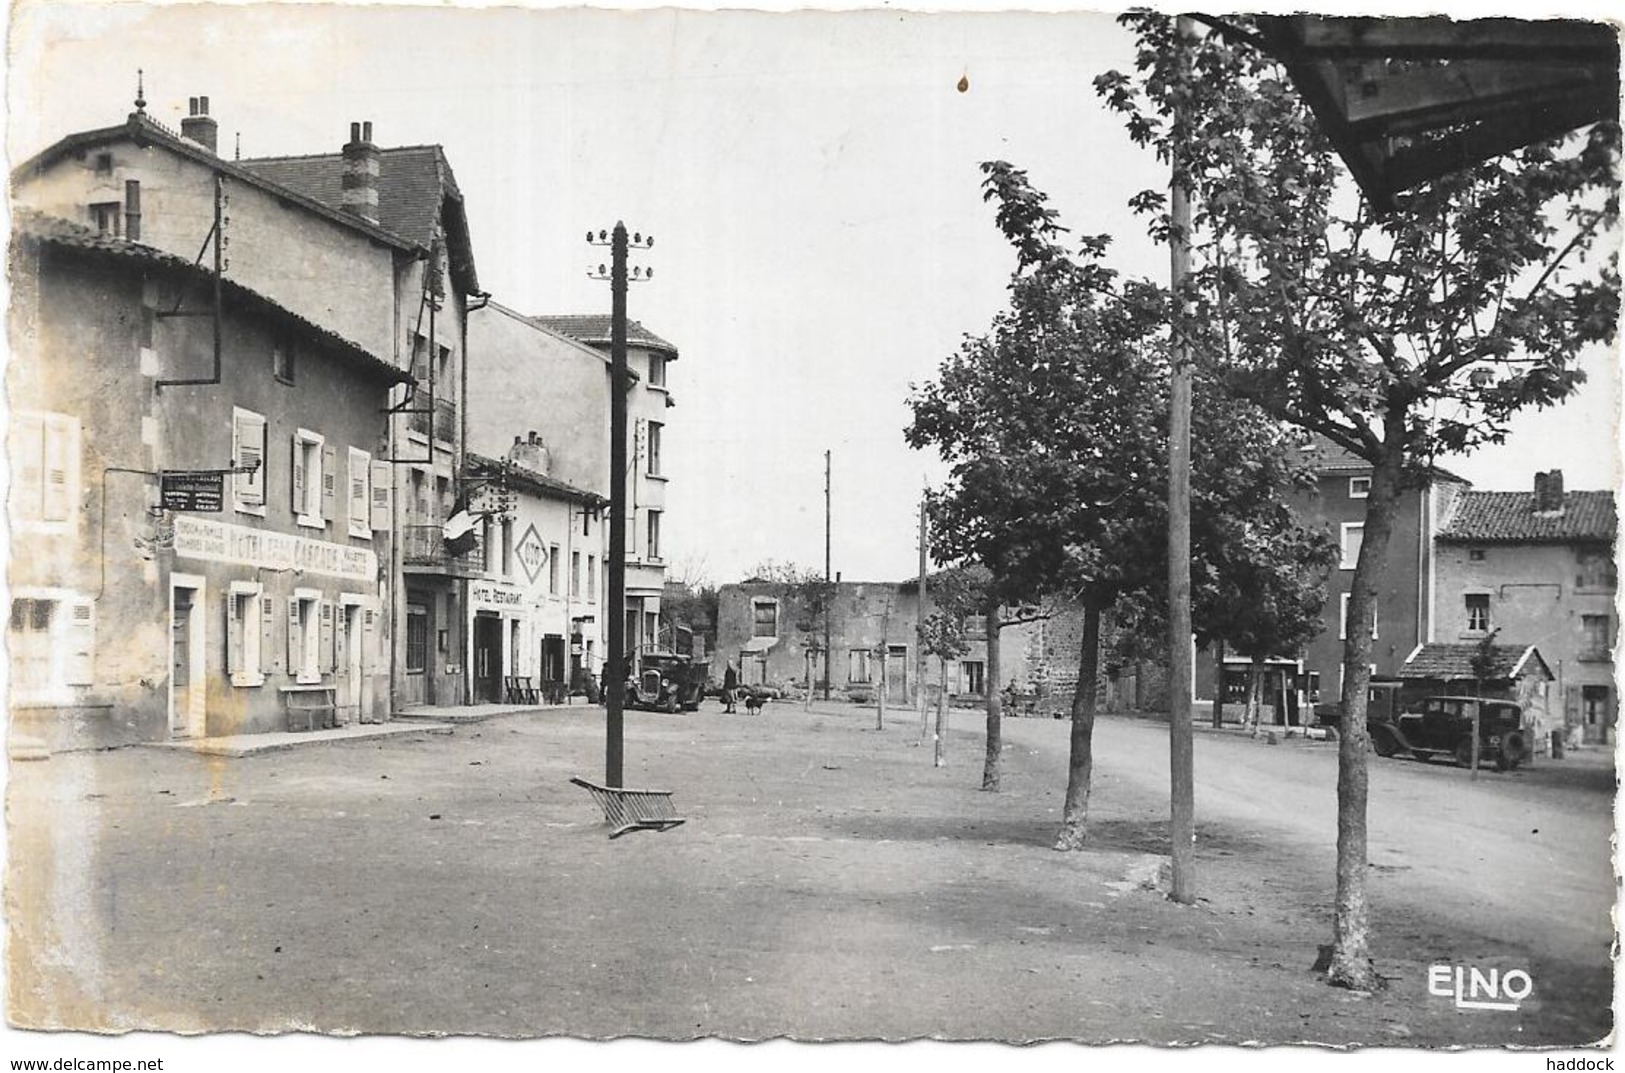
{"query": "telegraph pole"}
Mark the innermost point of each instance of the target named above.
(614, 695)
(829, 585)
(919, 632)
(1182, 795)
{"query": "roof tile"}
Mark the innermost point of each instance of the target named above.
(1510, 518)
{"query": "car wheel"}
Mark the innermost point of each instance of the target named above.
(1513, 751)
(1464, 753)
(1383, 742)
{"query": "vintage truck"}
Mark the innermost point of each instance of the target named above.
(668, 682)
(1445, 725)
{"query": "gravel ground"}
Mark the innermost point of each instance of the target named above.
(830, 883)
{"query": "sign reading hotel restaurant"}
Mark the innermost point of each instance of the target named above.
(494, 594)
(192, 489)
(197, 538)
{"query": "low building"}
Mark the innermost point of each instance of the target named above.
(1509, 672)
(193, 545)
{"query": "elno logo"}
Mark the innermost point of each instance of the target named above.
(1473, 988)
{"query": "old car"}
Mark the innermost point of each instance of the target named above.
(1445, 725)
(667, 683)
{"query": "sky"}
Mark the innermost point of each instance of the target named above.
(810, 179)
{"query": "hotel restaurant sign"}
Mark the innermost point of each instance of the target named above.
(199, 538)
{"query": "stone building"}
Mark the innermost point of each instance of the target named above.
(194, 546)
(1537, 568)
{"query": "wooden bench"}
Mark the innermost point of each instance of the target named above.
(306, 702)
(633, 810)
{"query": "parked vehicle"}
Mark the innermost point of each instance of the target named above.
(1445, 725)
(668, 682)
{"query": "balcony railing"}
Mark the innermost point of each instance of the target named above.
(425, 546)
(445, 419)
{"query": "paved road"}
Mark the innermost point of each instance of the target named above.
(829, 883)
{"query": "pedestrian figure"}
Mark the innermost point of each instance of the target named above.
(730, 686)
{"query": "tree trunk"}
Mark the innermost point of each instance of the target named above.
(1218, 688)
(880, 702)
(940, 759)
(1351, 964)
(1075, 814)
(995, 703)
(1255, 696)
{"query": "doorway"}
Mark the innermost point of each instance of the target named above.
(349, 664)
(187, 688)
(487, 658)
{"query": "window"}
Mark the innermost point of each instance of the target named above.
(655, 428)
(104, 163)
(1343, 618)
(976, 627)
(1353, 534)
(971, 676)
(1597, 644)
(248, 460)
(1359, 487)
(764, 618)
(248, 621)
(283, 361)
(592, 579)
(1596, 571)
(858, 667)
(1478, 612)
(1475, 555)
(314, 482)
(657, 370)
(651, 629)
(51, 645)
(360, 512)
(310, 632)
(417, 638)
(45, 470)
(654, 534)
(553, 569)
(575, 574)
(107, 218)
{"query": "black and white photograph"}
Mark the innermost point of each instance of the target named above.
(1091, 529)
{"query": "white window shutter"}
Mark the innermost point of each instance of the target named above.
(330, 481)
(248, 451)
(81, 637)
(383, 492)
(60, 465)
(369, 631)
(267, 615)
(234, 635)
(27, 465)
(296, 639)
(297, 470)
(328, 657)
(358, 519)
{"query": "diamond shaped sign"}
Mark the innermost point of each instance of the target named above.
(532, 553)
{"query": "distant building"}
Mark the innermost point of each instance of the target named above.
(191, 555)
(1537, 568)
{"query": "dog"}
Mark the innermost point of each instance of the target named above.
(754, 702)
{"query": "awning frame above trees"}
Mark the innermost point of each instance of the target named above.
(1406, 100)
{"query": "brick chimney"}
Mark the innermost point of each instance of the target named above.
(360, 183)
(532, 453)
(200, 126)
(1549, 492)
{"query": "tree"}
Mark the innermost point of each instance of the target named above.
(957, 594)
(1049, 424)
(1399, 339)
